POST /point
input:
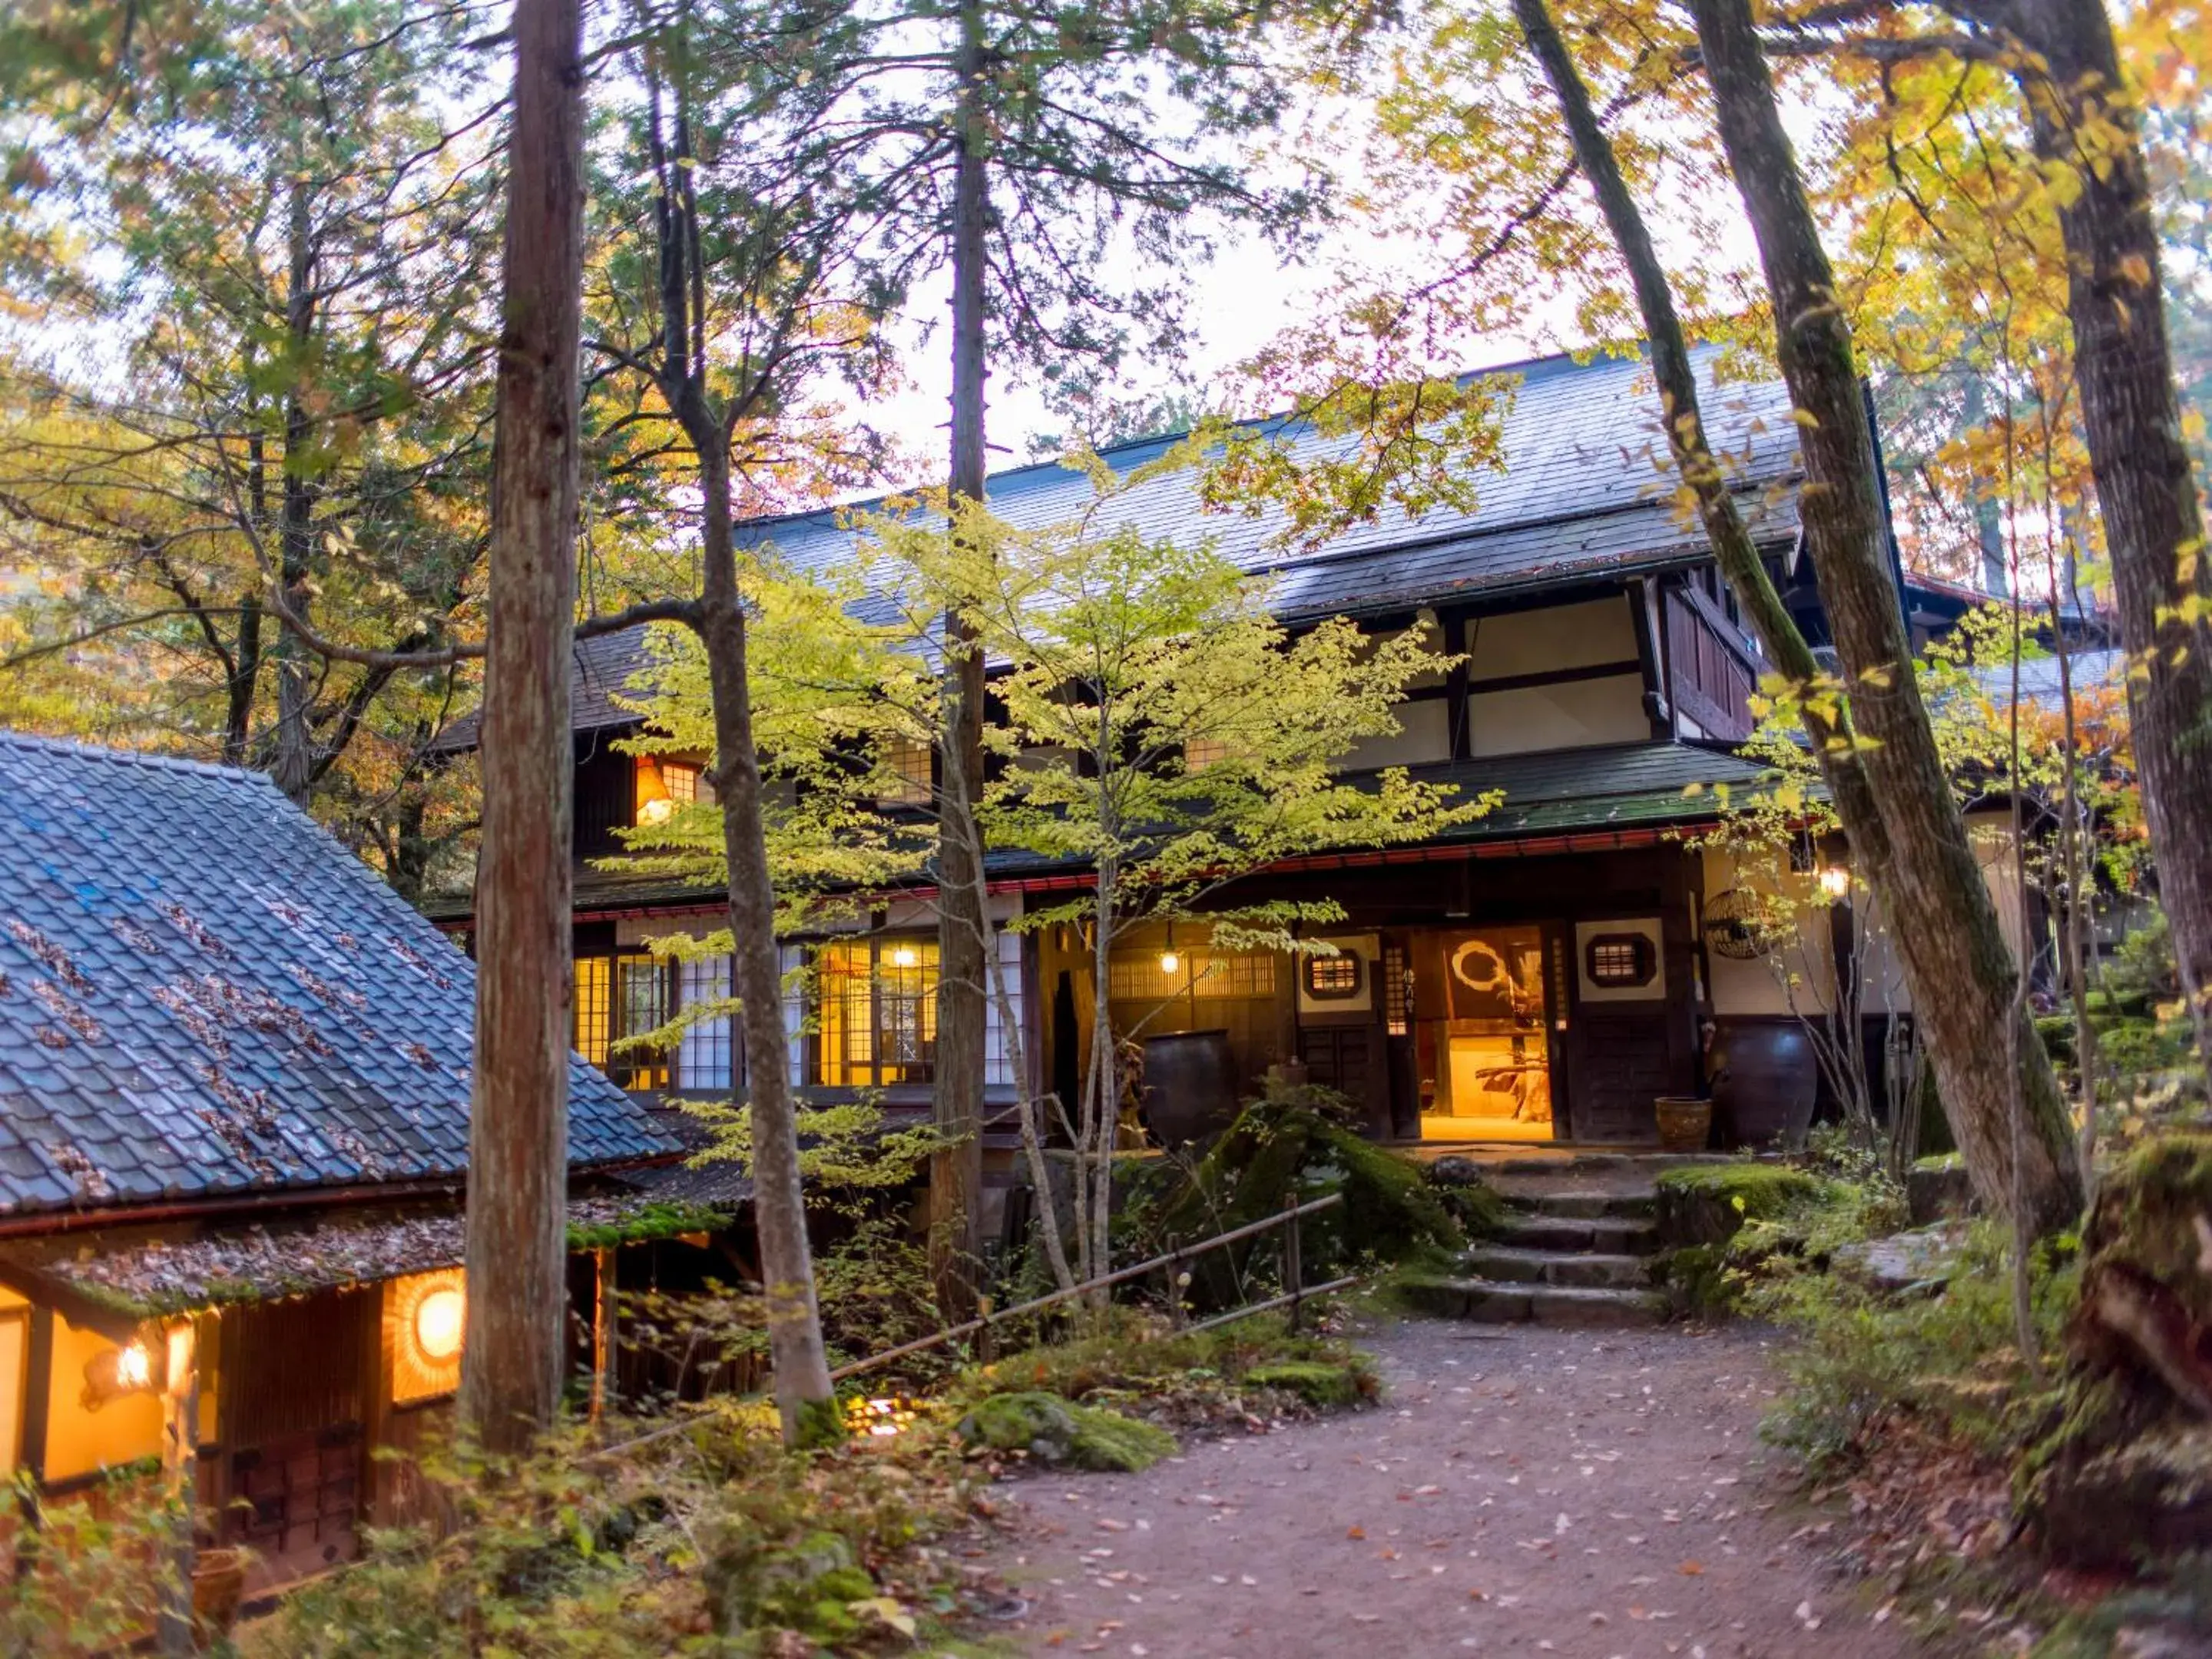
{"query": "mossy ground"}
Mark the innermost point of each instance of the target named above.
(1053, 1430)
(1192, 1380)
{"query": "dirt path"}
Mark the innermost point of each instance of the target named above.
(1520, 1491)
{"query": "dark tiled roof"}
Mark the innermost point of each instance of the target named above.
(1582, 493)
(600, 667)
(136, 1271)
(202, 993)
(1577, 791)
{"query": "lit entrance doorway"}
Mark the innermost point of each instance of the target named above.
(1482, 1006)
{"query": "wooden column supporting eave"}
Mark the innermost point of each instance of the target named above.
(180, 1436)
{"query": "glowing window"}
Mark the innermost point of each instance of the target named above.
(1397, 991)
(663, 785)
(1201, 752)
(594, 1007)
(618, 997)
(1618, 959)
(877, 1001)
(907, 778)
(1333, 978)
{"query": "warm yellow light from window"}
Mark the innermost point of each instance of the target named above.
(440, 1319)
(879, 1419)
(655, 812)
(1836, 881)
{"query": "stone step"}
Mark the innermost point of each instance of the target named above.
(1510, 1265)
(1607, 1235)
(1579, 1198)
(1490, 1301)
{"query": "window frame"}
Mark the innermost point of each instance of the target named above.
(633, 1072)
(1643, 961)
(1343, 960)
(870, 1073)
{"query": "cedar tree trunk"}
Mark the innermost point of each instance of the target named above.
(956, 1171)
(1961, 970)
(2085, 120)
(519, 1108)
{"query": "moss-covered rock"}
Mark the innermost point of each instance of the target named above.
(1298, 1140)
(1051, 1430)
(1707, 1203)
(1107, 1441)
(2127, 1468)
(807, 1585)
(1316, 1383)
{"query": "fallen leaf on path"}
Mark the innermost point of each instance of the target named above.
(1355, 1532)
(1690, 1569)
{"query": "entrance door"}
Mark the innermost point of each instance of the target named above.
(1483, 1038)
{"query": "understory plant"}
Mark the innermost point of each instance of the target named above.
(1867, 1360)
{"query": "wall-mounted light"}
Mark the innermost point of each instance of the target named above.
(905, 955)
(1170, 962)
(441, 1320)
(1835, 881)
(114, 1372)
(426, 1322)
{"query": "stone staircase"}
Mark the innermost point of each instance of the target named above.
(1575, 1250)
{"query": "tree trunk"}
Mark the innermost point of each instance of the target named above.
(245, 681)
(1962, 970)
(804, 1397)
(955, 1172)
(519, 1109)
(293, 766)
(2084, 120)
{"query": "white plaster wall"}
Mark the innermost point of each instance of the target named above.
(1558, 636)
(1574, 715)
(1423, 737)
(1754, 987)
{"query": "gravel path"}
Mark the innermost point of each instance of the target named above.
(1519, 1491)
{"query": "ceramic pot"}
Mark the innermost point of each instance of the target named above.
(218, 1587)
(1190, 1085)
(1765, 1078)
(1685, 1124)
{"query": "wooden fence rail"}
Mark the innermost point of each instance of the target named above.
(1295, 1293)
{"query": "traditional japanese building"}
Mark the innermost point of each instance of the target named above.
(233, 1137)
(1541, 972)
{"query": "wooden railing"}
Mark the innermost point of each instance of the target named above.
(1295, 1293)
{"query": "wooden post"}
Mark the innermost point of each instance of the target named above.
(603, 1331)
(1177, 1316)
(1294, 1270)
(180, 1434)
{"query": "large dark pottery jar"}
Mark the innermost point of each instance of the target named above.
(1190, 1085)
(1765, 1079)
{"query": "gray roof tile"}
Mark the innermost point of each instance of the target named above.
(164, 907)
(1581, 490)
